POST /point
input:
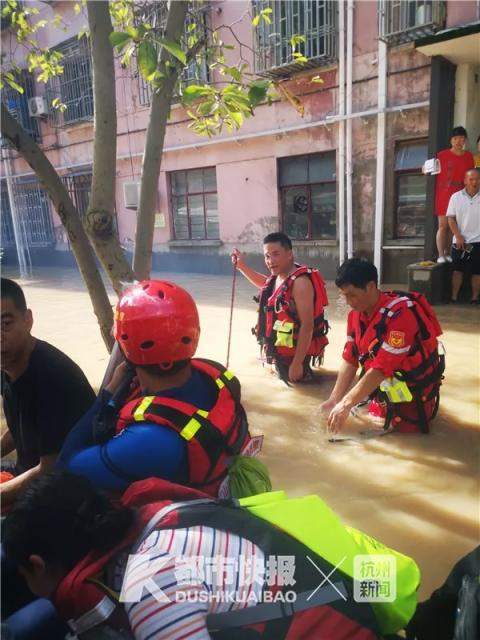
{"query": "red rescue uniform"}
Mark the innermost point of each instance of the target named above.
(400, 337)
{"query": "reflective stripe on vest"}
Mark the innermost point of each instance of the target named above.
(142, 407)
(193, 425)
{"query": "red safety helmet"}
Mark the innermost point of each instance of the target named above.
(156, 322)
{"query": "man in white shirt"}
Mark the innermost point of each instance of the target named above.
(464, 220)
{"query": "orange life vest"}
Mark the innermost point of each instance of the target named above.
(212, 436)
(278, 323)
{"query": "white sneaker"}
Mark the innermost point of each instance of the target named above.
(448, 258)
(441, 260)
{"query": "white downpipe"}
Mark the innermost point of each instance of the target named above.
(349, 159)
(380, 180)
(341, 131)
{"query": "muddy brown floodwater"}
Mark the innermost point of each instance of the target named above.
(418, 494)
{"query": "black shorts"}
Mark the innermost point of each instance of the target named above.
(467, 260)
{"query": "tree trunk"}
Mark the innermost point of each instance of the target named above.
(159, 113)
(65, 208)
(100, 218)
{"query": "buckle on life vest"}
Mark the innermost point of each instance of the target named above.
(396, 390)
(284, 337)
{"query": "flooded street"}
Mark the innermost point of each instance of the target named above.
(418, 494)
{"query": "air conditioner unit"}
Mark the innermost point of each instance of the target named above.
(37, 107)
(131, 194)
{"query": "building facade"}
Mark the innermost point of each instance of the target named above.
(336, 164)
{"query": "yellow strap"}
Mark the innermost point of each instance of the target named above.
(203, 413)
(220, 383)
(190, 429)
(142, 407)
(229, 375)
(113, 594)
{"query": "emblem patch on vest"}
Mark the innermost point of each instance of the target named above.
(396, 339)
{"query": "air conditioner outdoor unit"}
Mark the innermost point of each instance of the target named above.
(131, 194)
(37, 107)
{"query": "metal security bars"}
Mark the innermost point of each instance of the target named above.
(405, 20)
(79, 186)
(8, 236)
(33, 209)
(74, 86)
(17, 103)
(316, 20)
(197, 69)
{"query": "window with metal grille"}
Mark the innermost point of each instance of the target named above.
(316, 20)
(309, 196)
(74, 86)
(410, 189)
(197, 69)
(194, 204)
(79, 186)
(405, 20)
(8, 235)
(33, 208)
(17, 103)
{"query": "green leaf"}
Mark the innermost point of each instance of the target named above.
(15, 86)
(317, 79)
(76, 8)
(237, 117)
(119, 39)
(257, 94)
(234, 73)
(205, 108)
(174, 49)
(147, 58)
(194, 92)
(256, 20)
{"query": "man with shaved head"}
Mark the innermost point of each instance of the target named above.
(463, 216)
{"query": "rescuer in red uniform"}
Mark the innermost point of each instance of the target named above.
(392, 336)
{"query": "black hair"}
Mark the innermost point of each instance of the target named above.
(10, 289)
(156, 370)
(279, 237)
(458, 131)
(358, 272)
(61, 517)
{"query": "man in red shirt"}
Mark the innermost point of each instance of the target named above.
(393, 337)
(454, 163)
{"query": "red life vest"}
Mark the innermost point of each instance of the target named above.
(85, 602)
(211, 436)
(278, 323)
(422, 370)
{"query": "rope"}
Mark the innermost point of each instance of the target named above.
(232, 301)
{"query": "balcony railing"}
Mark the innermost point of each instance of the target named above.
(316, 20)
(405, 20)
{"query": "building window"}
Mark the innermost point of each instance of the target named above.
(8, 235)
(405, 20)
(17, 103)
(79, 186)
(197, 69)
(194, 204)
(410, 190)
(309, 196)
(32, 206)
(74, 86)
(314, 19)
